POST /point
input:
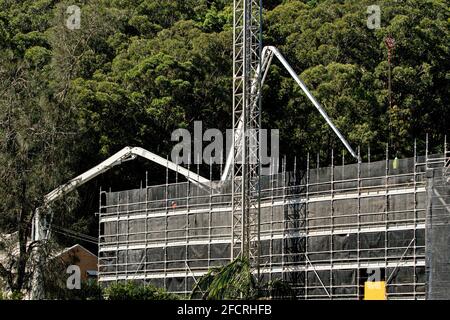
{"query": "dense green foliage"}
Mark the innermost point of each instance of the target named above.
(92, 290)
(346, 65)
(133, 291)
(138, 69)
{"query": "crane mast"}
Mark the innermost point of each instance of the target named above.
(247, 48)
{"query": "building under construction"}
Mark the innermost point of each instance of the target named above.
(325, 231)
(328, 232)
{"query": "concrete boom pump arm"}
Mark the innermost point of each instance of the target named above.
(124, 155)
(266, 60)
(267, 55)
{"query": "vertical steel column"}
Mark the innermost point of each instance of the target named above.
(386, 216)
(166, 226)
(186, 232)
(307, 225)
(358, 234)
(285, 235)
(332, 220)
(415, 219)
(128, 233)
(272, 224)
(100, 235)
(246, 124)
(210, 216)
(117, 235)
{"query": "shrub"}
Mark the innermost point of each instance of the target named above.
(90, 290)
(232, 281)
(134, 291)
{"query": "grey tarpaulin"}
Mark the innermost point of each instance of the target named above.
(438, 237)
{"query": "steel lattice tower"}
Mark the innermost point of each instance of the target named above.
(247, 46)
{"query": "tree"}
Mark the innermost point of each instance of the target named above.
(318, 36)
(232, 281)
(32, 158)
(236, 281)
(35, 130)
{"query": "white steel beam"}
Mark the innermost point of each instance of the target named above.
(310, 97)
(262, 70)
(126, 154)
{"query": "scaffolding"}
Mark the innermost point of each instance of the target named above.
(323, 230)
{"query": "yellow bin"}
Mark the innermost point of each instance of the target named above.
(375, 290)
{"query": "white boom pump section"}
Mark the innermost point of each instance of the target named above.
(266, 60)
(124, 155)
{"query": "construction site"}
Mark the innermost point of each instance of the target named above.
(343, 231)
(325, 231)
